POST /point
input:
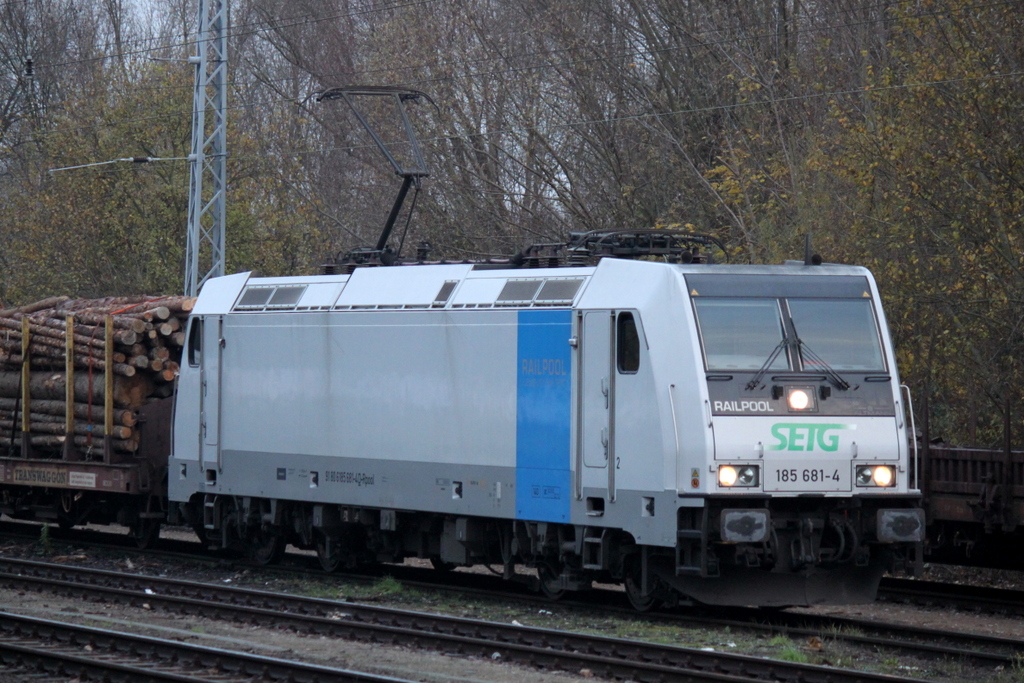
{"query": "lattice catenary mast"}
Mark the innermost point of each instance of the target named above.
(204, 257)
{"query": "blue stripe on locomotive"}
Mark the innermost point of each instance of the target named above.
(543, 415)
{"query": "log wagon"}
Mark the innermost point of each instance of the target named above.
(86, 398)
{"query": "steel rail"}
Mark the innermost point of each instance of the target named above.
(912, 591)
(968, 598)
(30, 644)
(918, 641)
(929, 643)
(544, 648)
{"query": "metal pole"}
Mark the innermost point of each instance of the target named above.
(108, 389)
(26, 391)
(69, 388)
(204, 257)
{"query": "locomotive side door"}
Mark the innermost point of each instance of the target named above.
(210, 373)
(596, 409)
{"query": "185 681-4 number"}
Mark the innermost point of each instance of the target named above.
(804, 476)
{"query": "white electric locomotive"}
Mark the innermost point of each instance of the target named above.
(712, 433)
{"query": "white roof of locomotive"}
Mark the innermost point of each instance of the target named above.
(613, 283)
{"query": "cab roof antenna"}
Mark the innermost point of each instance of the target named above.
(810, 258)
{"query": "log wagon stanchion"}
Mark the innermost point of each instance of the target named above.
(85, 408)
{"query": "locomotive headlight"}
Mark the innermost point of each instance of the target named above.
(800, 399)
(747, 476)
(738, 476)
(876, 475)
(727, 475)
(883, 476)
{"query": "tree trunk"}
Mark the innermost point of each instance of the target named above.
(118, 432)
(129, 392)
(56, 409)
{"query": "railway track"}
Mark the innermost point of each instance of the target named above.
(931, 594)
(985, 651)
(979, 650)
(978, 599)
(544, 648)
(968, 598)
(39, 647)
(926, 643)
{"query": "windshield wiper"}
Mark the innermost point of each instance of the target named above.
(805, 352)
(834, 377)
(759, 375)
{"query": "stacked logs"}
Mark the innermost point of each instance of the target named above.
(146, 338)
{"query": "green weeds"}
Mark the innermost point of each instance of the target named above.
(45, 542)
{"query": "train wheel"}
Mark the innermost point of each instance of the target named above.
(329, 552)
(266, 546)
(550, 582)
(440, 565)
(146, 533)
(65, 511)
(633, 583)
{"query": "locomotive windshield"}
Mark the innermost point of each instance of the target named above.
(741, 334)
(842, 332)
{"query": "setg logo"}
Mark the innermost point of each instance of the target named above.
(795, 436)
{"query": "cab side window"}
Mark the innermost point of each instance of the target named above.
(627, 344)
(195, 342)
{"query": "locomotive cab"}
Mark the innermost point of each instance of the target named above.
(811, 476)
